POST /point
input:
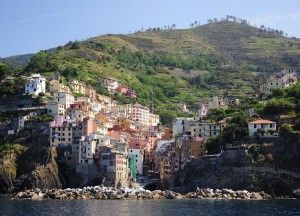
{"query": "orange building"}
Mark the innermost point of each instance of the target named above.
(197, 147)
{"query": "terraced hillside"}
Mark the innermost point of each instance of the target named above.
(177, 65)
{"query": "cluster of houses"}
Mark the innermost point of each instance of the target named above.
(282, 79)
(100, 137)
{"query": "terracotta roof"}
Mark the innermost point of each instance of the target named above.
(114, 134)
(262, 121)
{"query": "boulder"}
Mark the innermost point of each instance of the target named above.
(202, 193)
(179, 196)
(171, 195)
(192, 195)
(256, 196)
(156, 196)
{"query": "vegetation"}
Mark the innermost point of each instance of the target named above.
(41, 118)
(9, 115)
(175, 65)
(9, 147)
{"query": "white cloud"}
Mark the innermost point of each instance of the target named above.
(43, 16)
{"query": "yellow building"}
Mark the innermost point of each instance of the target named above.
(197, 148)
(57, 86)
(77, 87)
(61, 135)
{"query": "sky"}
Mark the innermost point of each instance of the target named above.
(28, 26)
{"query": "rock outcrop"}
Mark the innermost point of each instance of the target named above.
(39, 176)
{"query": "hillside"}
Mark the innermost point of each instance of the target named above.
(17, 61)
(177, 65)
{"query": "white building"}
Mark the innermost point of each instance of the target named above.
(257, 126)
(139, 159)
(196, 129)
(55, 109)
(282, 79)
(36, 85)
(111, 84)
(181, 125)
(63, 98)
(211, 129)
(140, 114)
(87, 150)
(202, 111)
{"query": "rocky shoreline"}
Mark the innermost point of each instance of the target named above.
(108, 193)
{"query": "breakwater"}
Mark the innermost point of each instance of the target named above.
(104, 193)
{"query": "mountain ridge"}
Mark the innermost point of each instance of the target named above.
(185, 65)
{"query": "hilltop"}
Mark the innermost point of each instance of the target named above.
(183, 65)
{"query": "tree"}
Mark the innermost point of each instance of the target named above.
(5, 71)
(254, 151)
(216, 114)
(277, 106)
(213, 145)
(167, 117)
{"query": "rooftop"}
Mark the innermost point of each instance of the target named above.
(262, 121)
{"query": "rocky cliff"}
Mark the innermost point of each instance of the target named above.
(272, 181)
(42, 176)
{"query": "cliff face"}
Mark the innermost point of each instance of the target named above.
(7, 170)
(274, 182)
(42, 176)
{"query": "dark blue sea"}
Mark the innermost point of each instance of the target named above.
(183, 207)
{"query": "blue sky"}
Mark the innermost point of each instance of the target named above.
(28, 26)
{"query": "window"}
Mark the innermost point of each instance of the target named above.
(254, 125)
(271, 126)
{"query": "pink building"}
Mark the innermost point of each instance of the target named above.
(122, 89)
(86, 126)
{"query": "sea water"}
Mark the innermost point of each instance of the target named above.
(183, 207)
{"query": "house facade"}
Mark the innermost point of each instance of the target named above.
(36, 85)
(261, 126)
(283, 79)
(64, 98)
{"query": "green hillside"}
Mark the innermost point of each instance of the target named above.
(177, 65)
(17, 61)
